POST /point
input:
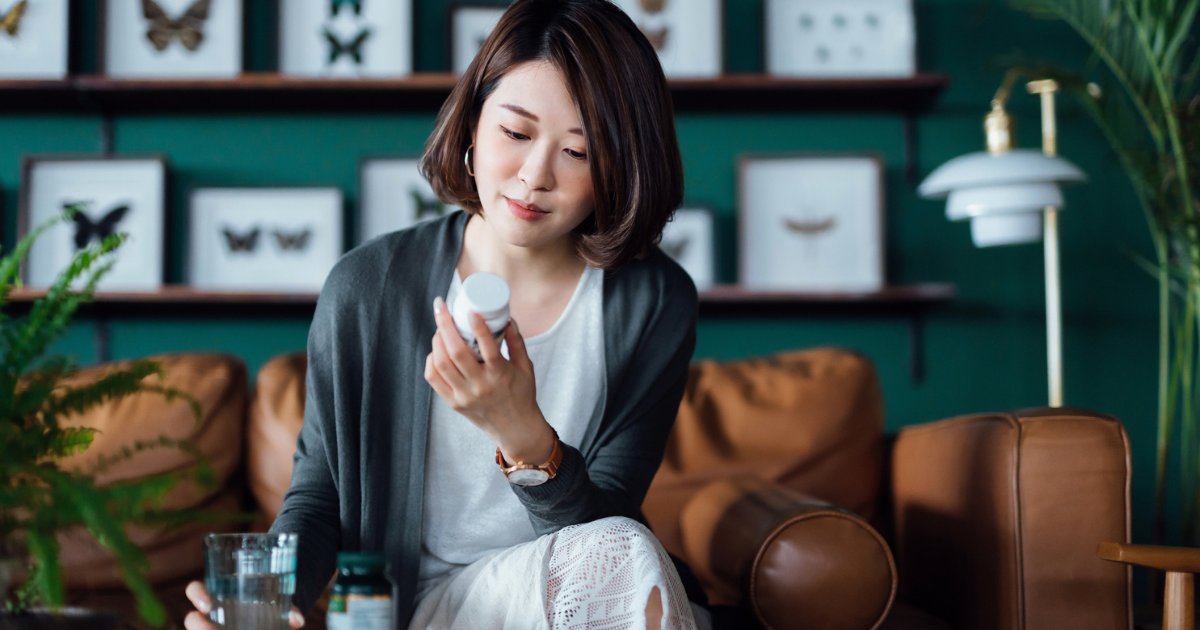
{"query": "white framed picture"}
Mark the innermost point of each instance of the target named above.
(111, 196)
(33, 39)
(687, 34)
(811, 222)
(689, 239)
(263, 239)
(194, 39)
(346, 38)
(470, 25)
(394, 195)
(840, 38)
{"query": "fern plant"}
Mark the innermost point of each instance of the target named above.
(38, 497)
(1145, 52)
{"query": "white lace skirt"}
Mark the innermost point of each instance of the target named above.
(597, 575)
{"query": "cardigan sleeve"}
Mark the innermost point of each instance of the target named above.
(614, 480)
(311, 505)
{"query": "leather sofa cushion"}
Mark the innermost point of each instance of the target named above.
(276, 415)
(801, 563)
(218, 382)
(810, 420)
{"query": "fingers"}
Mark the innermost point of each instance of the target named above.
(455, 348)
(197, 621)
(488, 348)
(198, 595)
(295, 618)
(516, 347)
(435, 380)
(445, 366)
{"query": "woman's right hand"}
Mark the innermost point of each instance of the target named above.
(198, 619)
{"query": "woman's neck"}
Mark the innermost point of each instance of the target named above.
(550, 263)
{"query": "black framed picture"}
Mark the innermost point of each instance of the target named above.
(690, 239)
(346, 38)
(282, 240)
(470, 25)
(811, 222)
(33, 39)
(688, 34)
(394, 195)
(195, 39)
(125, 194)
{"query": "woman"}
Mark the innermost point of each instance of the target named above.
(559, 143)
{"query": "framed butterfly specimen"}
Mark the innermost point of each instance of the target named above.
(469, 26)
(33, 39)
(840, 38)
(688, 34)
(112, 195)
(811, 222)
(689, 238)
(345, 38)
(393, 195)
(281, 240)
(200, 39)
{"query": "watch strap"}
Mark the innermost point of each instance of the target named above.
(550, 467)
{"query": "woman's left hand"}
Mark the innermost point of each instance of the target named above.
(498, 395)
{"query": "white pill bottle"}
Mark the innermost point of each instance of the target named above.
(488, 295)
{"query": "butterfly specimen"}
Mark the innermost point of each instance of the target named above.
(657, 37)
(810, 227)
(676, 249)
(353, 48)
(11, 21)
(87, 230)
(653, 6)
(336, 5)
(241, 242)
(431, 207)
(188, 28)
(295, 241)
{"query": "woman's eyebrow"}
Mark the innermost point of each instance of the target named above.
(521, 111)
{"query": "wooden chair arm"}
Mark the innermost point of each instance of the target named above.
(1174, 559)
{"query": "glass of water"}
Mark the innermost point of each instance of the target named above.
(250, 579)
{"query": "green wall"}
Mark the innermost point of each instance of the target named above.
(986, 352)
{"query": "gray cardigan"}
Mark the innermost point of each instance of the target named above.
(359, 468)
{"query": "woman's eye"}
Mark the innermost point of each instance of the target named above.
(577, 155)
(514, 135)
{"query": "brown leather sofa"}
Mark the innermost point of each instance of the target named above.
(779, 488)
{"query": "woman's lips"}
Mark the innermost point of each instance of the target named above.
(524, 213)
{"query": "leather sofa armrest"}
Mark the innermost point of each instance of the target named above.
(799, 562)
(997, 518)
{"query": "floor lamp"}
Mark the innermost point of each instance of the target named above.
(1012, 196)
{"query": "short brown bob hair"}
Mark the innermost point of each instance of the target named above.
(618, 86)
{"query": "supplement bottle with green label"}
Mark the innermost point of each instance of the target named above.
(362, 595)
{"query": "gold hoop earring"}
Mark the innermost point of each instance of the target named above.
(467, 160)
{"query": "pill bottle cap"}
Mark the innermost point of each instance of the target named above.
(363, 563)
(486, 294)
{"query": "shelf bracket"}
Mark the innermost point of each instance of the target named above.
(101, 340)
(916, 348)
(910, 147)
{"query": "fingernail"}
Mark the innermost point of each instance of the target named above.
(296, 617)
(204, 605)
(437, 306)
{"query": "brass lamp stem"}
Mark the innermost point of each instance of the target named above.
(1046, 88)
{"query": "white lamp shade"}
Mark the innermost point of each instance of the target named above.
(1006, 229)
(968, 203)
(976, 170)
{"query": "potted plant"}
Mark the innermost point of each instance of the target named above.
(38, 497)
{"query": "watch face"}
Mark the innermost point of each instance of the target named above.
(528, 477)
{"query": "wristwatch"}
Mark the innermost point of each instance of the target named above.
(523, 474)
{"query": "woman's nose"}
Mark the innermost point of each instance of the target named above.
(537, 171)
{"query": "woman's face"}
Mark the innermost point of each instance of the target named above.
(530, 158)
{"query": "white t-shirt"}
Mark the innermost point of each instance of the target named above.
(470, 510)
